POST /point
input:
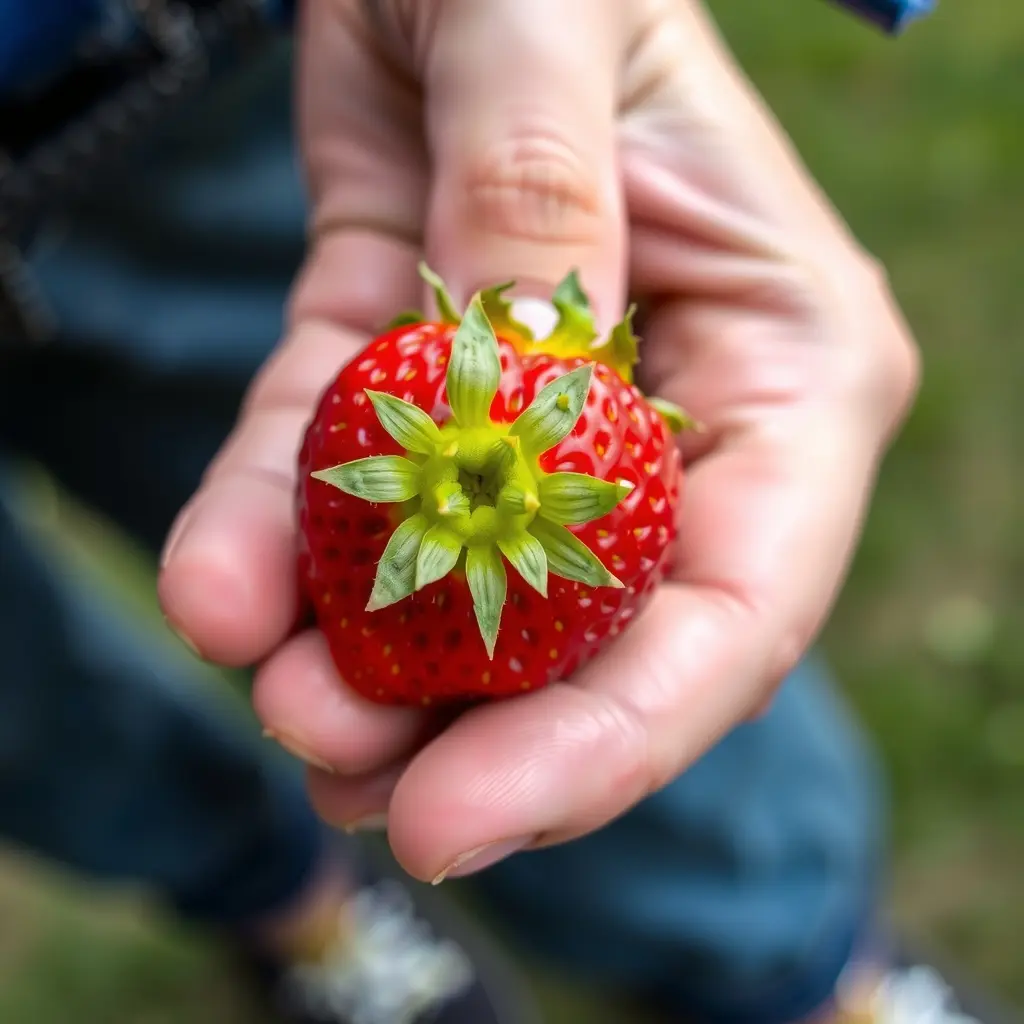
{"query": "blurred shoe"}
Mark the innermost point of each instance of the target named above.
(914, 991)
(400, 954)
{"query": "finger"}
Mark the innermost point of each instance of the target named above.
(228, 581)
(567, 760)
(358, 803)
(228, 576)
(521, 108)
(693, 119)
(311, 712)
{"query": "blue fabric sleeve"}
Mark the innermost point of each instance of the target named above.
(281, 12)
(891, 15)
(39, 37)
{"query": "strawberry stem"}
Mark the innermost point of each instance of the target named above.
(573, 336)
(569, 557)
(575, 327)
(676, 418)
(438, 555)
(499, 312)
(408, 424)
(516, 500)
(554, 412)
(622, 349)
(475, 486)
(377, 478)
(526, 554)
(445, 305)
(568, 498)
(474, 371)
(488, 585)
(406, 319)
(396, 572)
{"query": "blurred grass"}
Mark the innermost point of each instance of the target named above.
(919, 144)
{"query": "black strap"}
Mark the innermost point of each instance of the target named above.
(55, 144)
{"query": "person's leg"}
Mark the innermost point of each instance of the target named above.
(162, 321)
(122, 759)
(738, 893)
(118, 759)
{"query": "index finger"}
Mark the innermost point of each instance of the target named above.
(228, 578)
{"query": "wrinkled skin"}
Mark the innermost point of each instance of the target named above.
(630, 146)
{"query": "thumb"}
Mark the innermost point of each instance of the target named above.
(521, 100)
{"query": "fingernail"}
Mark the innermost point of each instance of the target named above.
(296, 749)
(537, 314)
(377, 822)
(481, 857)
(184, 638)
(177, 532)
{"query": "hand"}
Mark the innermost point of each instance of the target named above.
(518, 139)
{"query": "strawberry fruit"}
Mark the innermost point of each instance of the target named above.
(479, 511)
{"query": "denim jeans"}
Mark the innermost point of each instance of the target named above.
(736, 893)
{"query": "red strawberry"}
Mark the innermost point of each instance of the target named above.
(440, 455)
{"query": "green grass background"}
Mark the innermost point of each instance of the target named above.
(919, 142)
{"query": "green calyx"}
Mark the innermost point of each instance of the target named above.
(575, 334)
(676, 418)
(496, 305)
(471, 490)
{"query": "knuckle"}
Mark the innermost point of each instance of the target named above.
(791, 649)
(904, 376)
(629, 728)
(877, 365)
(892, 371)
(618, 740)
(535, 187)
